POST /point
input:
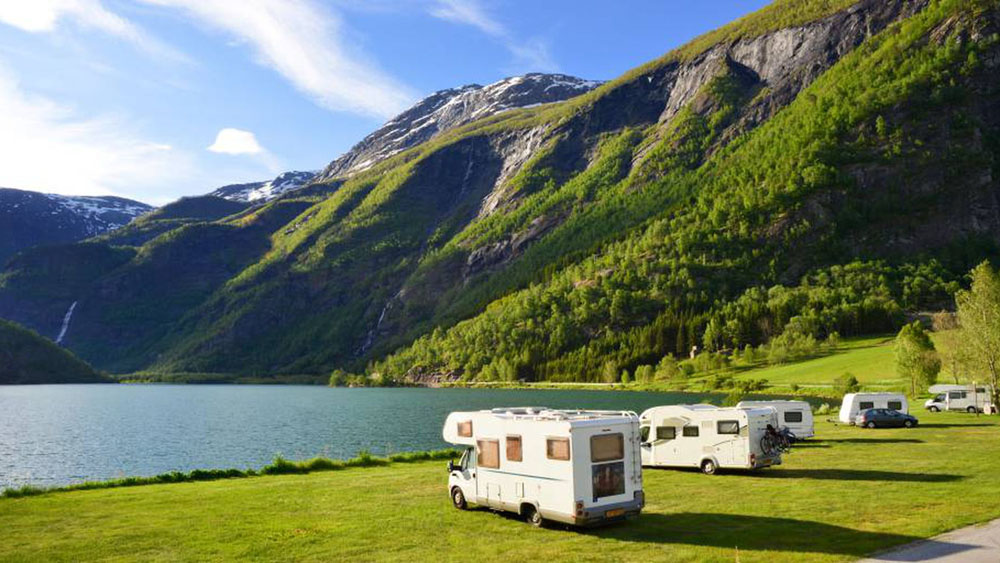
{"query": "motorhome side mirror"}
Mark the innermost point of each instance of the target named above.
(451, 466)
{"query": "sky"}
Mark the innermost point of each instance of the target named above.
(159, 99)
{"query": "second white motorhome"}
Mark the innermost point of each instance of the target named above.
(966, 398)
(854, 403)
(709, 437)
(576, 467)
(796, 416)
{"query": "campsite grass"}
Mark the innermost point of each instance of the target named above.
(848, 493)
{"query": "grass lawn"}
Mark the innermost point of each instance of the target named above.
(848, 493)
(870, 359)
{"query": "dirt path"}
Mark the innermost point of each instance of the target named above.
(975, 544)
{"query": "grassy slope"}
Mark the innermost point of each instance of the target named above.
(847, 494)
(871, 360)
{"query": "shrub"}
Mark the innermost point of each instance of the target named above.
(845, 384)
(823, 409)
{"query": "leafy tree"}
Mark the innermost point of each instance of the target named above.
(644, 373)
(610, 372)
(338, 378)
(946, 326)
(845, 384)
(916, 358)
(979, 317)
(625, 377)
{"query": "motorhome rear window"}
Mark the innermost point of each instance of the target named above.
(489, 453)
(609, 479)
(896, 405)
(691, 431)
(728, 427)
(607, 447)
(513, 448)
(465, 429)
(557, 448)
(865, 405)
(793, 416)
(666, 432)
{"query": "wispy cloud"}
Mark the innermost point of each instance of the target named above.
(306, 44)
(44, 16)
(46, 146)
(529, 54)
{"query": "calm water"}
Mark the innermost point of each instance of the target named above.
(58, 434)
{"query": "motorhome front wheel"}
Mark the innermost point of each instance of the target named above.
(708, 467)
(458, 499)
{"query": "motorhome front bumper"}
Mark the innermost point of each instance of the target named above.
(609, 513)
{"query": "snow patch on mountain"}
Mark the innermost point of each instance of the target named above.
(262, 192)
(454, 107)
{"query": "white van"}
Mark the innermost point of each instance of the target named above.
(796, 416)
(966, 398)
(854, 403)
(709, 437)
(576, 467)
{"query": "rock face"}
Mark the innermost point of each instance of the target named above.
(262, 192)
(447, 109)
(30, 218)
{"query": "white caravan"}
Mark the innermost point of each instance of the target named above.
(576, 467)
(854, 403)
(966, 398)
(796, 416)
(709, 437)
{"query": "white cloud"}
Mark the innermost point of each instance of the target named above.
(38, 16)
(531, 55)
(306, 44)
(236, 141)
(45, 146)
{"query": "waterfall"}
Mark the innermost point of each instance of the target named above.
(65, 325)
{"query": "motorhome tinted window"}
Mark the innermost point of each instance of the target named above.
(557, 448)
(793, 416)
(956, 395)
(607, 447)
(513, 448)
(489, 453)
(644, 433)
(866, 405)
(465, 429)
(728, 427)
(691, 431)
(666, 432)
(896, 405)
(609, 479)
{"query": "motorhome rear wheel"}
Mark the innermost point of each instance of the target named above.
(971, 410)
(533, 516)
(708, 467)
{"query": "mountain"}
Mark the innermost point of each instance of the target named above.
(261, 192)
(30, 218)
(812, 169)
(26, 357)
(452, 108)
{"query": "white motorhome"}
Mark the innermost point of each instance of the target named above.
(709, 437)
(966, 398)
(854, 403)
(576, 467)
(796, 416)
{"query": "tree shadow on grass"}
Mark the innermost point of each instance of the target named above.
(738, 531)
(871, 441)
(943, 425)
(859, 475)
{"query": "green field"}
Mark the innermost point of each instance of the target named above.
(846, 494)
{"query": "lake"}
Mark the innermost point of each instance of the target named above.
(60, 434)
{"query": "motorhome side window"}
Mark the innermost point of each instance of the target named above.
(557, 448)
(607, 447)
(644, 433)
(489, 453)
(865, 405)
(691, 431)
(896, 405)
(728, 427)
(465, 429)
(793, 416)
(666, 432)
(956, 395)
(513, 448)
